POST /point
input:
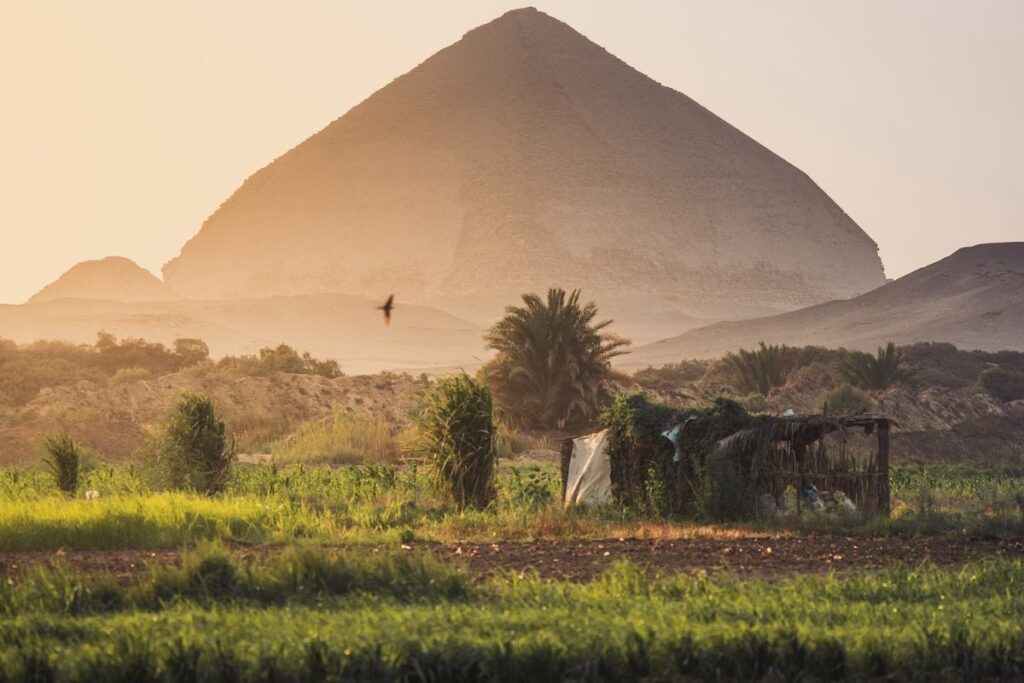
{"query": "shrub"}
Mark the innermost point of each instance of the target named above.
(672, 376)
(129, 375)
(760, 370)
(755, 403)
(281, 358)
(458, 434)
(192, 451)
(1006, 385)
(873, 372)
(64, 461)
(847, 400)
(554, 360)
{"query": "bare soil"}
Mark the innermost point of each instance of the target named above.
(751, 557)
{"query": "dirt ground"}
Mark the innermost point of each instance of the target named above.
(760, 557)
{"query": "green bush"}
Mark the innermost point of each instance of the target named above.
(192, 451)
(458, 434)
(847, 400)
(1006, 385)
(64, 461)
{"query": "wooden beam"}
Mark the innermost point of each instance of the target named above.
(883, 468)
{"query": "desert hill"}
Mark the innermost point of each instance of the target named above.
(113, 278)
(525, 156)
(346, 328)
(113, 419)
(973, 299)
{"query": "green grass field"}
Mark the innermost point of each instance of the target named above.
(342, 601)
(383, 503)
(303, 616)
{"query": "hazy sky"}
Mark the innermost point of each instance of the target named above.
(123, 124)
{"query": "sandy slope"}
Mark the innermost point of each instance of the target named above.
(973, 298)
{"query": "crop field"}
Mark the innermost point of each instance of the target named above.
(366, 572)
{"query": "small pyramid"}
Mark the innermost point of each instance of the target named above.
(113, 278)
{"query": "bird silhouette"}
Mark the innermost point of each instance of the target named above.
(388, 306)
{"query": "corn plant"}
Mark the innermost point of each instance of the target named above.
(458, 434)
(64, 460)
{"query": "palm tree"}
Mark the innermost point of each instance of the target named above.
(553, 361)
(873, 372)
(760, 370)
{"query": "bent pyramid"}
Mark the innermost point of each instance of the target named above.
(522, 157)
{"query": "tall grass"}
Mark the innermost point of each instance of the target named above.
(458, 436)
(153, 521)
(64, 459)
(907, 624)
(340, 439)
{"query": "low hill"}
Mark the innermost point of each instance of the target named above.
(114, 419)
(113, 278)
(348, 329)
(973, 298)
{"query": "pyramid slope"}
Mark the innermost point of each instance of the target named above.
(521, 157)
(113, 278)
(973, 298)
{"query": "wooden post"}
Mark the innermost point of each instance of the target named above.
(883, 467)
(567, 445)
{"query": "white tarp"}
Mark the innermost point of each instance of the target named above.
(590, 475)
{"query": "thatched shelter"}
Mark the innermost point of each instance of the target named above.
(721, 462)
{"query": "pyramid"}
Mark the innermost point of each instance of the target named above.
(114, 278)
(522, 157)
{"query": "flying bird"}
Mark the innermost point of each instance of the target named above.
(388, 306)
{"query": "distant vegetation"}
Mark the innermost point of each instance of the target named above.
(923, 365)
(672, 376)
(26, 369)
(554, 360)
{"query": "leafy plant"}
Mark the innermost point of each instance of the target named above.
(192, 450)
(873, 372)
(64, 461)
(760, 370)
(554, 360)
(457, 432)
